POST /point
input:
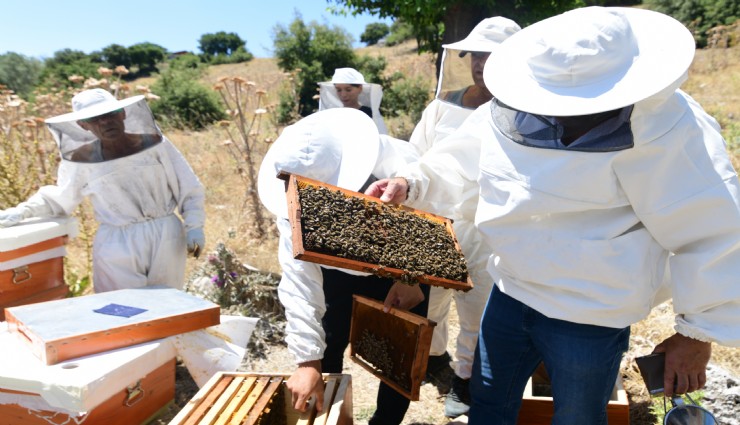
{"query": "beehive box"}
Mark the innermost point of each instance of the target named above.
(73, 327)
(537, 409)
(260, 398)
(354, 231)
(122, 387)
(31, 261)
(393, 346)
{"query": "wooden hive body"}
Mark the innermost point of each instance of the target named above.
(31, 261)
(260, 398)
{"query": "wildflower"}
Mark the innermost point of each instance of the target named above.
(105, 72)
(121, 70)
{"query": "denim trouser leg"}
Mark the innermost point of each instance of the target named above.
(581, 360)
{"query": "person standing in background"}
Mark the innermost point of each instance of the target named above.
(460, 91)
(348, 89)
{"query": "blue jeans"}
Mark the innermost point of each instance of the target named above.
(581, 360)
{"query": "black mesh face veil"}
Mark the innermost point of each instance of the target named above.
(117, 133)
(547, 132)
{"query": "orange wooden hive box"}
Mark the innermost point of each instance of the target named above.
(31, 261)
(129, 386)
(260, 398)
(295, 183)
(537, 407)
(73, 327)
(393, 346)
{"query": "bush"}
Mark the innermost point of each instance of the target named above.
(700, 16)
(405, 97)
(314, 49)
(184, 102)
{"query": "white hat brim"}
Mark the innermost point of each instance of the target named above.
(666, 51)
(94, 110)
(360, 147)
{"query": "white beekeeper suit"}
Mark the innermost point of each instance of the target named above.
(597, 201)
(344, 152)
(441, 118)
(136, 188)
(370, 97)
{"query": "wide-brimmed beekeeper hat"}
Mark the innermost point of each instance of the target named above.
(486, 36)
(336, 146)
(589, 60)
(91, 103)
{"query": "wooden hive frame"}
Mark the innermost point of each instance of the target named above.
(409, 335)
(231, 398)
(299, 252)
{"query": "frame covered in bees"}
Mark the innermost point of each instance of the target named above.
(264, 399)
(393, 346)
(342, 228)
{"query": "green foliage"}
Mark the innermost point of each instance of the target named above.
(238, 289)
(223, 47)
(185, 102)
(699, 15)
(186, 61)
(428, 17)
(19, 73)
(405, 97)
(400, 32)
(374, 32)
(66, 63)
(116, 55)
(314, 49)
(372, 67)
(146, 56)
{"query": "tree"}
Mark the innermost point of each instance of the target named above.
(146, 56)
(221, 43)
(316, 50)
(437, 22)
(116, 55)
(19, 73)
(374, 32)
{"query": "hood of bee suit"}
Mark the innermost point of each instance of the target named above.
(337, 146)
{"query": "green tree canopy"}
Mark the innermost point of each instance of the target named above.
(221, 43)
(115, 55)
(699, 15)
(19, 73)
(317, 50)
(436, 22)
(145, 56)
(374, 32)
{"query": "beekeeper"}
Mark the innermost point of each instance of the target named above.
(348, 89)
(114, 154)
(595, 172)
(460, 90)
(341, 147)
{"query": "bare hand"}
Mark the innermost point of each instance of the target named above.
(685, 364)
(305, 382)
(404, 296)
(389, 190)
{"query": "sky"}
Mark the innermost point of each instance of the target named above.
(38, 28)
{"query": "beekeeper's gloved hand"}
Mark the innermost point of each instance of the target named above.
(196, 241)
(13, 215)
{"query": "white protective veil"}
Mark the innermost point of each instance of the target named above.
(371, 96)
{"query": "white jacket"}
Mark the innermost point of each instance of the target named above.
(586, 237)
